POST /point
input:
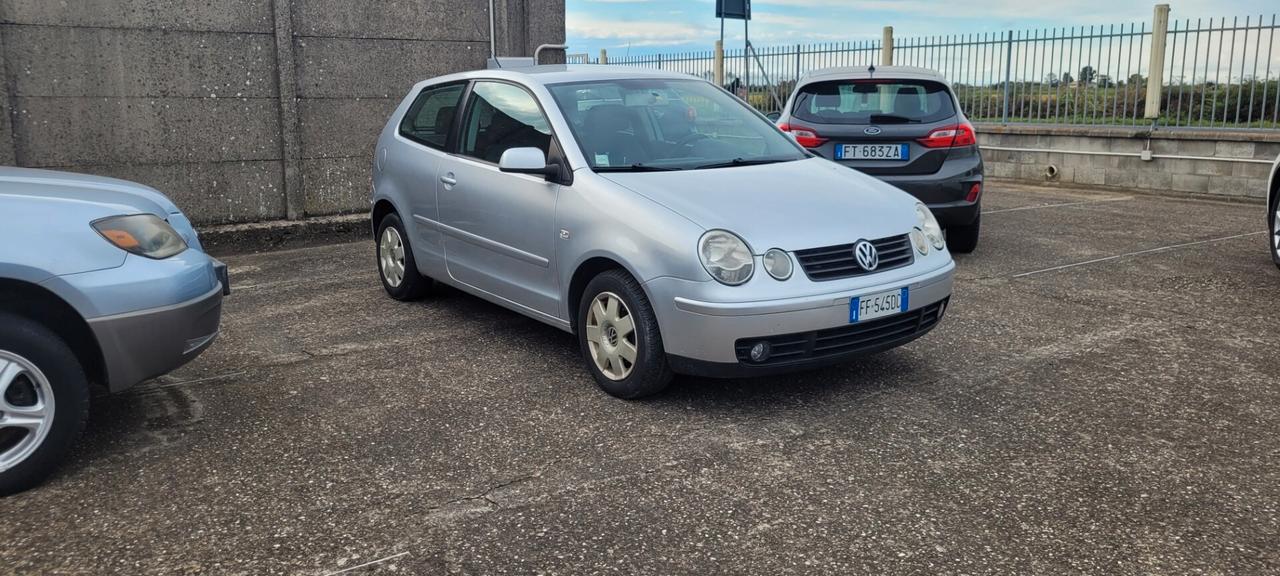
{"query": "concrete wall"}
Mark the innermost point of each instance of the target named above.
(240, 110)
(1215, 177)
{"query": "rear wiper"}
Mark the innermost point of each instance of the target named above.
(742, 162)
(637, 167)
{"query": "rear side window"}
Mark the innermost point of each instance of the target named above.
(874, 102)
(430, 117)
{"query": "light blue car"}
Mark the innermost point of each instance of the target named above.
(101, 281)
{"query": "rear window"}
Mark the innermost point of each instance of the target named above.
(874, 102)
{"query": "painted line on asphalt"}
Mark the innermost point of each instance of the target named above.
(1063, 205)
(366, 564)
(1138, 253)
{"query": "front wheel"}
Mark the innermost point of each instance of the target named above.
(44, 402)
(964, 239)
(619, 338)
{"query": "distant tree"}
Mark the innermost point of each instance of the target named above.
(1105, 81)
(1067, 79)
(1051, 79)
(1136, 79)
(1087, 75)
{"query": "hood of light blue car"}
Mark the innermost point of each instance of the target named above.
(789, 205)
(95, 194)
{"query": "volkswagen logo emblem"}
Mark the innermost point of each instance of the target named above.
(867, 255)
(871, 130)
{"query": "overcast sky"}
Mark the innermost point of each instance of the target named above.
(646, 26)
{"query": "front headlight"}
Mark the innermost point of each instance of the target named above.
(142, 234)
(726, 257)
(929, 225)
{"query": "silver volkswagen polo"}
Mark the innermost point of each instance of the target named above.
(661, 220)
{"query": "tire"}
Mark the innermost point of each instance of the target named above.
(1274, 218)
(604, 335)
(34, 364)
(410, 284)
(964, 239)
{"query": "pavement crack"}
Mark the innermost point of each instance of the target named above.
(458, 506)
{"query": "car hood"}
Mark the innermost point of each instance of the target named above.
(789, 205)
(92, 194)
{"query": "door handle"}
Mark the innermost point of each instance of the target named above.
(448, 179)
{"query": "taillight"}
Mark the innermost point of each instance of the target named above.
(805, 136)
(953, 136)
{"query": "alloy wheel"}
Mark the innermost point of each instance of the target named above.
(611, 336)
(26, 409)
(391, 256)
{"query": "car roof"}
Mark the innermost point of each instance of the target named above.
(547, 74)
(882, 72)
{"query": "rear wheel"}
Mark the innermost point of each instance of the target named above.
(44, 401)
(619, 338)
(964, 239)
(396, 267)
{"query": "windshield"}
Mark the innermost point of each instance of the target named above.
(873, 102)
(664, 124)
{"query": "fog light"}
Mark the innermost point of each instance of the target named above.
(760, 352)
(942, 309)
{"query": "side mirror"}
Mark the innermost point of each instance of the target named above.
(773, 116)
(527, 161)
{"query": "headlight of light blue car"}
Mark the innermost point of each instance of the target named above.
(142, 234)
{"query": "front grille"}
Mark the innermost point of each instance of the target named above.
(835, 262)
(860, 337)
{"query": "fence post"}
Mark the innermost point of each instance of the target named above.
(886, 47)
(659, 61)
(1155, 76)
(1008, 69)
(604, 56)
(718, 67)
(798, 50)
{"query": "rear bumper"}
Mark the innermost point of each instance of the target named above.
(946, 192)
(148, 343)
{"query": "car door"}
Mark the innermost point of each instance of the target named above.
(424, 132)
(499, 228)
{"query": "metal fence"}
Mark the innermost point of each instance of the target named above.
(1218, 72)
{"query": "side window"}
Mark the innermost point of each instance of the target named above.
(502, 117)
(431, 115)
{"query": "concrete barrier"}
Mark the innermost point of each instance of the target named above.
(241, 110)
(1232, 163)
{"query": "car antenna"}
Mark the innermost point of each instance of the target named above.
(871, 70)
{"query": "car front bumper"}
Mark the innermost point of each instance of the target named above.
(711, 338)
(148, 343)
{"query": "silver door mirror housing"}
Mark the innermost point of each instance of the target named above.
(526, 161)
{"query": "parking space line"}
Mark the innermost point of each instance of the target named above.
(1063, 205)
(370, 563)
(1138, 253)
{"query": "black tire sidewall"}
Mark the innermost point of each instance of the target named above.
(59, 364)
(964, 239)
(414, 285)
(650, 374)
(1271, 226)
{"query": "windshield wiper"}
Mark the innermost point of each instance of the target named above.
(637, 167)
(744, 162)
